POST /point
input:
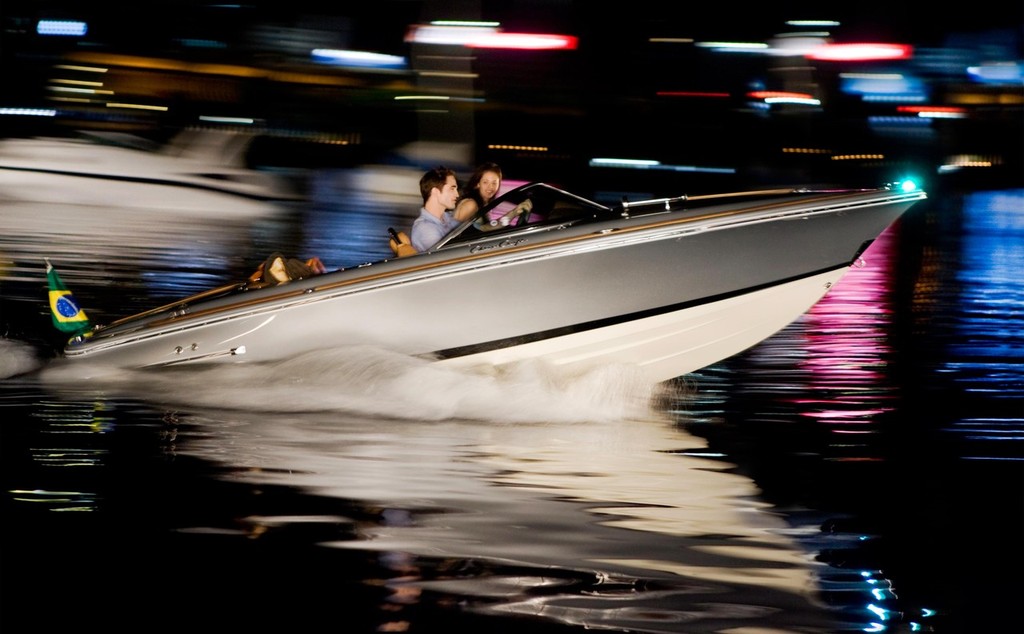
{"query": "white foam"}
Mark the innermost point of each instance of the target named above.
(17, 357)
(376, 382)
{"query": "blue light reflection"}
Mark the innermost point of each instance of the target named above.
(988, 345)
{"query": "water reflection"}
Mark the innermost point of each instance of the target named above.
(842, 470)
(888, 396)
(988, 341)
(503, 516)
(835, 365)
(973, 362)
(855, 357)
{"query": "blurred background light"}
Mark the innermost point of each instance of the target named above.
(466, 23)
(646, 164)
(357, 59)
(197, 43)
(136, 106)
(230, 120)
(959, 162)
(735, 47)
(883, 86)
(779, 96)
(474, 36)
(797, 44)
(935, 112)
(447, 34)
(861, 52)
(802, 101)
(404, 83)
(812, 23)
(61, 27)
(997, 73)
(526, 41)
(29, 112)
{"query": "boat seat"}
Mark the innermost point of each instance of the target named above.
(400, 243)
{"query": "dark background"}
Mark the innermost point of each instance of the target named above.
(542, 114)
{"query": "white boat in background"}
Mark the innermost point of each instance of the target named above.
(668, 285)
(200, 171)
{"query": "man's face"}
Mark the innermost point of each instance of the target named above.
(449, 193)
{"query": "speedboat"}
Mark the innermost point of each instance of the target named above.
(200, 171)
(666, 285)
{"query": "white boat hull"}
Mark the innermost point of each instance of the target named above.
(671, 345)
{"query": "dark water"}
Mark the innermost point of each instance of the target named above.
(863, 470)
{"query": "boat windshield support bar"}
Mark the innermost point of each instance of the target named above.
(667, 202)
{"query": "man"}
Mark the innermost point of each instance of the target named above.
(440, 191)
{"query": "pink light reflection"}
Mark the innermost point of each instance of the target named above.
(846, 342)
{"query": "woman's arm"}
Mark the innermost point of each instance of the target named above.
(465, 210)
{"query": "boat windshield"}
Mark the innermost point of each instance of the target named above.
(534, 206)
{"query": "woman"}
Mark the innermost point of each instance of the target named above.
(481, 189)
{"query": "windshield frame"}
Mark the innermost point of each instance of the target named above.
(551, 208)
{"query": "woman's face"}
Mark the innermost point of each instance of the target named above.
(489, 185)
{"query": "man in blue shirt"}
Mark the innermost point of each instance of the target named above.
(440, 191)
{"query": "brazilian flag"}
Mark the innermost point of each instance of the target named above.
(67, 315)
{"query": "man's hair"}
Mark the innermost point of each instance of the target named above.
(436, 177)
